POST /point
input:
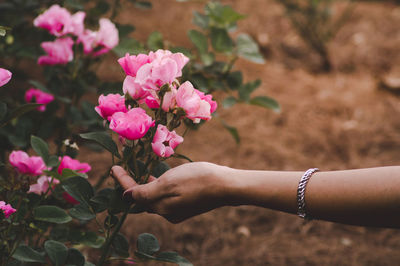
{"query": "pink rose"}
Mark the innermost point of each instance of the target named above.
(169, 100)
(39, 96)
(134, 89)
(165, 141)
(7, 209)
(100, 42)
(131, 63)
(69, 163)
(5, 76)
(56, 20)
(188, 98)
(110, 104)
(77, 25)
(33, 165)
(42, 185)
(208, 98)
(68, 198)
(133, 124)
(58, 52)
(152, 102)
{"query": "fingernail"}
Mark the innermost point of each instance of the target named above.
(127, 196)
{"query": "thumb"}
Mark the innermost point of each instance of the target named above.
(145, 193)
(123, 178)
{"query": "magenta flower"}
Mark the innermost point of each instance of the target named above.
(56, 20)
(133, 124)
(42, 185)
(165, 141)
(58, 52)
(7, 209)
(39, 96)
(69, 163)
(131, 63)
(110, 104)
(33, 165)
(134, 89)
(5, 76)
(189, 99)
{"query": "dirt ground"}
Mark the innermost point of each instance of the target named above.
(338, 120)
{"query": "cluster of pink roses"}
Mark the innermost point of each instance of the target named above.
(34, 165)
(146, 75)
(59, 22)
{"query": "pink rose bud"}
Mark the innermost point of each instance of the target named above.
(58, 52)
(69, 163)
(110, 104)
(42, 185)
(188, 98)
(152, 102)
(7, 209)
(68, 198)
(169, 100)
(131, 63)
(56, 20)
(39, 96)
(134, 89)
(33, 165)
(165, 141)
(133, 124)
(5, 76)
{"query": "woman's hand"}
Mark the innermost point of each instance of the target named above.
(180, 193)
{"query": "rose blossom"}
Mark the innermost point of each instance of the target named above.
(7, 209)
(69, 163)
(110, 104)
(131, 63)
(56, 20)
(58, 52)
(165, 141)
(42, 185)
(189, 99)
(33, 165)
(133, 124)
(5, 76)
(39, 96)
(134, 89)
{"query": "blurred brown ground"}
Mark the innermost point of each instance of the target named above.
(331, 121)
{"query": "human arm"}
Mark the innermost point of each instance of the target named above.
(369, 197)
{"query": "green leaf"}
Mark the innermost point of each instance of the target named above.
(75, 258)
(220, 40)
(229, 102)
(124, 30)
(143, 5)
(223, 15)
(51, 214)
(3, 110)
(56, 251)
(117, 204)
(41, 148)
(199, 40)
(79, 188)
(67, 173)
(101, 200)
(147, 244)
(27, 254)
(91, 239)
(246, 89)
(181, 156)
(232, 130)
(207, 58)
(235, 80)
(101, 8)
(53, 161)
(20, 111)
(82, 212)
(104, 140)
(200, 20)
(121, 245)
(248, 49)
(155, 41)
(160, 169)
(129, 45)
(266, 102)
(39, 85)
(173, 257)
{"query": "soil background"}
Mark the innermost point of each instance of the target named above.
(336, 120)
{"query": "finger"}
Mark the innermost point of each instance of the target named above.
(151, 179)
(125, 180)
(147, 193)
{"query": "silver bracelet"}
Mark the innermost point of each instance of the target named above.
(301, 189)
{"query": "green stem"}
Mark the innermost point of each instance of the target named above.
(109, 241)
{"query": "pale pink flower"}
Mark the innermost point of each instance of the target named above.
(169, 100)
(33, 165)
(133, 124)
(131, 63)
(134, 89)
(7, 209)
(58, 52)
(42, 185)
(56, 20)
(195, 108)
(165, 141)
(5, 76)
(110, 104)
(208, 98)
(77, 25)
(39, 97)
(73, 164)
